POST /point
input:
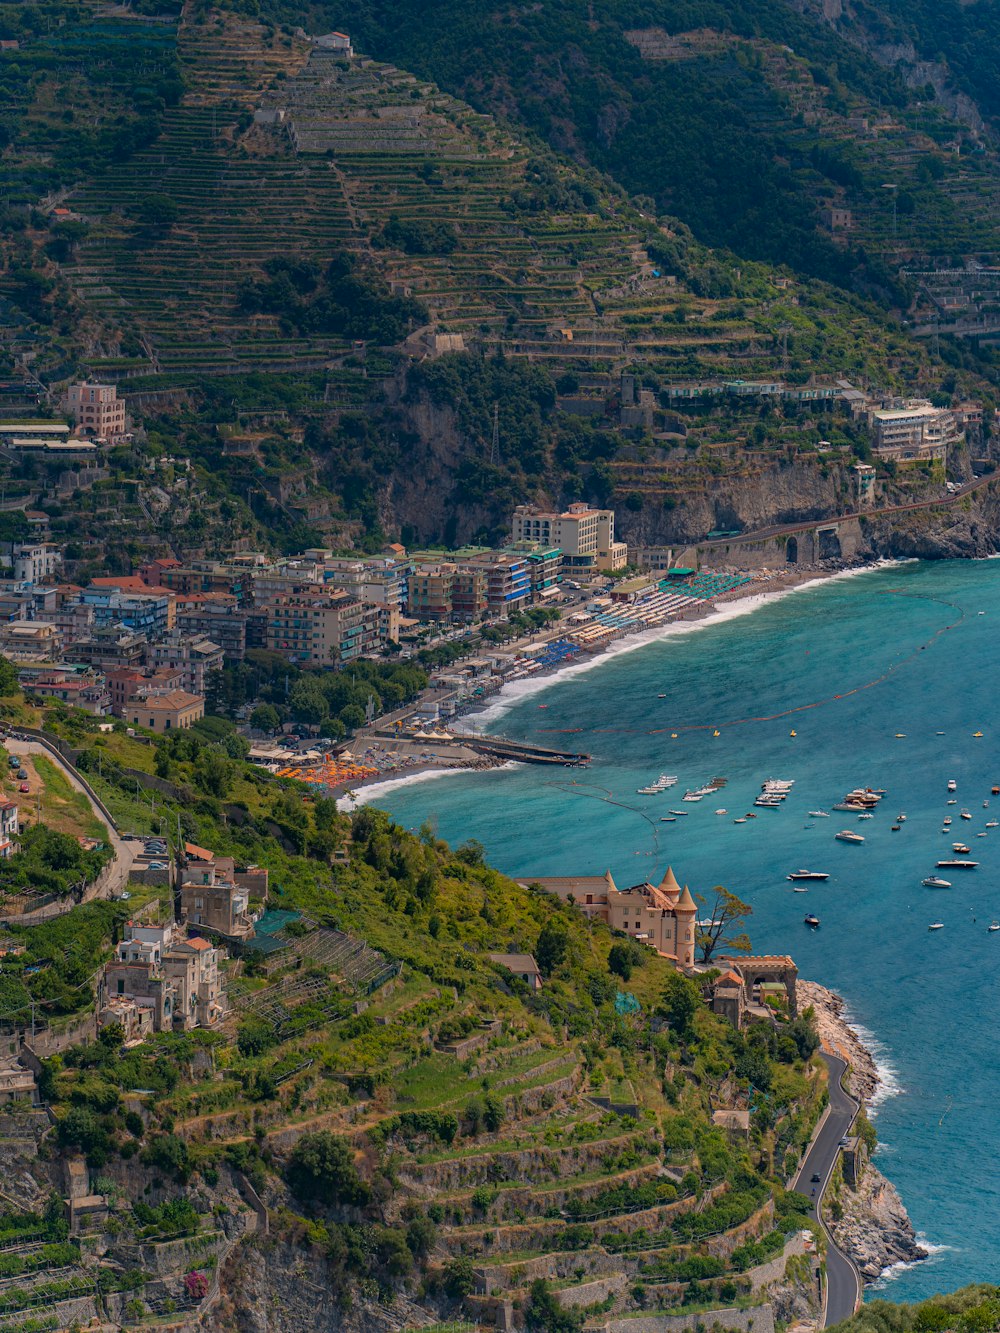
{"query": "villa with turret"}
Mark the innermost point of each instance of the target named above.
(660, 915)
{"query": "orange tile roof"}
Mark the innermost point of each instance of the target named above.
(198, 943)
(198, 853)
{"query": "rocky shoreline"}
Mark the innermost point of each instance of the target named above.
(872, 1226)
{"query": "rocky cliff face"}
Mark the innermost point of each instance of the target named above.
(874, 1228)
(968, 529)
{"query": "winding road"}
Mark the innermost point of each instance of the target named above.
(843, 1282)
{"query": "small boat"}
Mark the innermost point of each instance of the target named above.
(977, 735)
(953, 801)
(809, 874)
(810, 920)
(965, 815)
(722, 812)
(947, 820)
(741, 820)
(986, 805)
(993, 823)
(936, 882)
(751, 815)
(936, 925)
(716, 733)
(900, 735)
(995, 791)
(799, 889)
(793, 733)
(952, 784)
(678, 814)
(866, 816)
(895, 828)
(901, 818)
(960, 848)
(957, 865)
(668, 819)
(981, 835)
(661, 696)
(845, 835)
(994, 925)
(819, 814)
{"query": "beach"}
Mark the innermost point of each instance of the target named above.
(765, 589)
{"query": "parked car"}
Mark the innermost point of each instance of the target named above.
(24, 787)
(14, 761)
(21, 775)
(157, 865)
(122, 897)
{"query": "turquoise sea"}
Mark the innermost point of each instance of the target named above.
(911, 649)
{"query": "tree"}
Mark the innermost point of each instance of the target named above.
(352, 716)
(544, 1314)
(157, 211)
(727, 915)
(681, 998)
(550, 950)
(321, 1168)
(623, 956)
(265, 717)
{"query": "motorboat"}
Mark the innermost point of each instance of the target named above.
(936, 925)
(668, 819)
(965, 815)
(722, 812)
(810, 920)
(952, 785)
(957, 865)
(819, 814)
(896, 828)
(947, 820)
(936, 882)
(679, 814)
(960, 848)
(741, 820)
(995, 791)
(993, 823)
(981, 835)
(866, 816)
(799, 889)
(845, 835)
(901, 818)
(953, 801)
(994, 925)
(809, 874)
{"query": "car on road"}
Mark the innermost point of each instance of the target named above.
(845, 1143)
(24, 787)
(814, 1179)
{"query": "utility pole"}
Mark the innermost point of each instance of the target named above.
(495, 442)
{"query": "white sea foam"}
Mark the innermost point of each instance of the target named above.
(519, 690)
(889, 1275)
(888, 1077)
(373, 791)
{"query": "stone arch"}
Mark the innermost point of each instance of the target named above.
(791, 551)
(829, 544)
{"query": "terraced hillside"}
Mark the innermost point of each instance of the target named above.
(390, 1128)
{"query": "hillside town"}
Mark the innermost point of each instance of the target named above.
(145, 645)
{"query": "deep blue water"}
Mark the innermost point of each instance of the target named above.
(928, 998)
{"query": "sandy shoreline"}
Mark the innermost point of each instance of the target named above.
(740, 602)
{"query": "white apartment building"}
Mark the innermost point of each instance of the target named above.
(914, 432)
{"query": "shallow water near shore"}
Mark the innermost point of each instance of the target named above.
(874, 668)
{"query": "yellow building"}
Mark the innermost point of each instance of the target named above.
(174, 711)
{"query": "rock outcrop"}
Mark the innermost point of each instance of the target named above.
(870, 1223)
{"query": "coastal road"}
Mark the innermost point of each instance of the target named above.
(843, 1283)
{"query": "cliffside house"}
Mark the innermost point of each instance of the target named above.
(660, 915)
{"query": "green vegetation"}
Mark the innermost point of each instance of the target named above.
(973, 1309)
